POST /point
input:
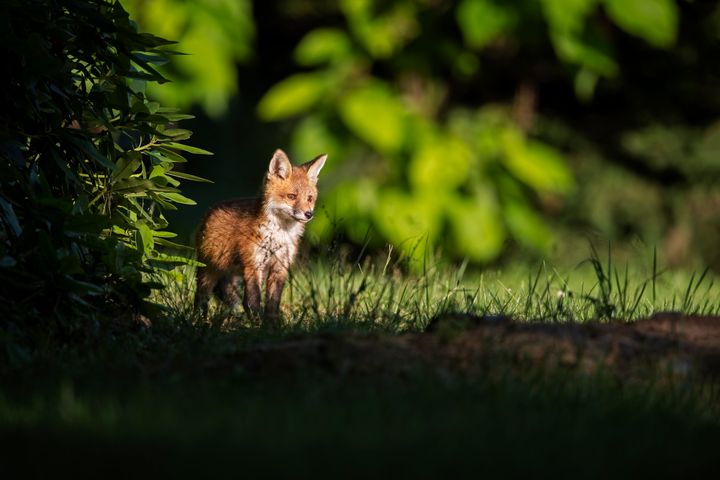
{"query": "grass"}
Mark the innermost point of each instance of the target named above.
(175, 399)
(376, 294)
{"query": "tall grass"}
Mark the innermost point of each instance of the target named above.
(377, 292)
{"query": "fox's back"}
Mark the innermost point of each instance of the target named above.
(227, 229)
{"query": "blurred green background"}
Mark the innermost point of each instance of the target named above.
(484, 130)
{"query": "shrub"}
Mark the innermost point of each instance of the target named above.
(87, 166)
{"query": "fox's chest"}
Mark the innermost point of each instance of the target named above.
(278, 243)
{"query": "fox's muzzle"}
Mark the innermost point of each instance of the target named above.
(301, 216)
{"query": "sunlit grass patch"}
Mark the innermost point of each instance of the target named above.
(377, 293)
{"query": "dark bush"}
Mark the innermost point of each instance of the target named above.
(87, 166)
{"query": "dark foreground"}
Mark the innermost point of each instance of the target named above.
(475, 396)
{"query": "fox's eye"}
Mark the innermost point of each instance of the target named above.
(310, 198)
(291, 196)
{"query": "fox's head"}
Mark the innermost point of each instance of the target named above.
(291, 191)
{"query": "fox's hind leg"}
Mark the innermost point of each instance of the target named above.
(206, 281)
(227, 290)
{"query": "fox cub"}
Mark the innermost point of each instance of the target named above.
(256, 239)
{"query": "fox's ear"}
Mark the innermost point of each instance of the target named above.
(280, 164)
(313, 167)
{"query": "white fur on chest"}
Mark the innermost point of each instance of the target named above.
(279, 242)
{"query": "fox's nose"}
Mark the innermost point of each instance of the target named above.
(309, 214)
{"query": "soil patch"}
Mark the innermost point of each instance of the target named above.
(665, 346)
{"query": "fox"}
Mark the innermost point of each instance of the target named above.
(256, 239)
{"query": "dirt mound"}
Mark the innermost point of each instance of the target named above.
(667, 345)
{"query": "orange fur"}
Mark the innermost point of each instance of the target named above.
(256, 239)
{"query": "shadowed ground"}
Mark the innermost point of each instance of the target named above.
(472, 395)
(666, 345)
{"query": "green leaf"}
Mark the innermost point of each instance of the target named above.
(375, 115)
(185, 148)
(568, 16)
(578, 42)
(161, 201)
(176, 117)
(177, 133)
(169, 244)
(150, 40)
(536, 164)
(476, 226)
(655, 21)
(157, 171)
(381, 30)
(586, 51)
(585, 82)
(125, 166)
(144, 238)
(157, 175)
(187, 176)
(178, 198)
(163, 234)
(177, 259)
(293, 95)
(154, 59)
(165, 155)
(440, 163)
(137, 209)
(482, 21)
(133, 185)
(322, 45)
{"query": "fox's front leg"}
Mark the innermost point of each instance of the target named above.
(252, 301)
(277, 276)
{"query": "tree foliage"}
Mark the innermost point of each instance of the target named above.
(88, 164)
(382, 89)
(217, 34)
(474, 127)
